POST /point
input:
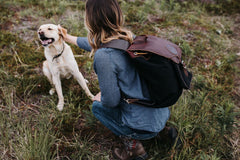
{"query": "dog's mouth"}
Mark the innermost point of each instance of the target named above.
(46, 41)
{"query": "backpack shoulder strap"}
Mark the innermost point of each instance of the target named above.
(120, 44)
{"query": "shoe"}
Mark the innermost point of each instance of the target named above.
(173, 134)
(169, 135)
(135, 152)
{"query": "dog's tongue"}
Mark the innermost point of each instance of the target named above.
(45, 42)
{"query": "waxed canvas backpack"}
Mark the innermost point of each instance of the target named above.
(159, 63)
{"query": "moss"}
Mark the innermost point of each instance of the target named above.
(15, 51)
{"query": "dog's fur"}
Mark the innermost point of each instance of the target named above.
(63, 66)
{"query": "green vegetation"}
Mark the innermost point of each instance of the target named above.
(207, 116)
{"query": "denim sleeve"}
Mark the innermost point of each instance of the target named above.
(107, 77)
(83, 43)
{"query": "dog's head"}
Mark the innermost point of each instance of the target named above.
(50, 33)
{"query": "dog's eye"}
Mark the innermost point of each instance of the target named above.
(49, 29)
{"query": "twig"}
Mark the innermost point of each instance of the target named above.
(32, 109)
(16, 54)
(78, 55)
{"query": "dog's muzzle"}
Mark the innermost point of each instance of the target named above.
(44, 40)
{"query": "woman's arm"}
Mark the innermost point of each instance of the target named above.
(107, 78)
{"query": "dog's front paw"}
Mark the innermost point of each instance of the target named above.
(52, 91)
(91, 96)
(60, 107)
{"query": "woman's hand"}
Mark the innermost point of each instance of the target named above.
(67, 37)
(97, 97)
(63, 31)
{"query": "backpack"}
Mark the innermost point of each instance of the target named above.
(159, 64)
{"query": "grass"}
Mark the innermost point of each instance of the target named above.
(207, 116)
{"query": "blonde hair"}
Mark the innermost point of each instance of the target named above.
(104, 21)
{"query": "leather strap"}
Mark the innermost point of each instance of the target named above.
(120, 44)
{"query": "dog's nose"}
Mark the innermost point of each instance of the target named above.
(40, 32)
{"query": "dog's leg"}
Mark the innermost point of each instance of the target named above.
(79, 77)
(58, 87)
(48, 74)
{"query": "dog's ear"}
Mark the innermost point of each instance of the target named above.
(62, 31)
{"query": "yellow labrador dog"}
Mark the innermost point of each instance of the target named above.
(60, 61)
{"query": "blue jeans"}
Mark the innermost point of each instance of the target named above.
(111, 118)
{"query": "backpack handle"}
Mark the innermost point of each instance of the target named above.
(142, 38)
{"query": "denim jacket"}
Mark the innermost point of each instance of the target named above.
(117, 76)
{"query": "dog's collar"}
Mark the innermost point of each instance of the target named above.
(58, 55)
